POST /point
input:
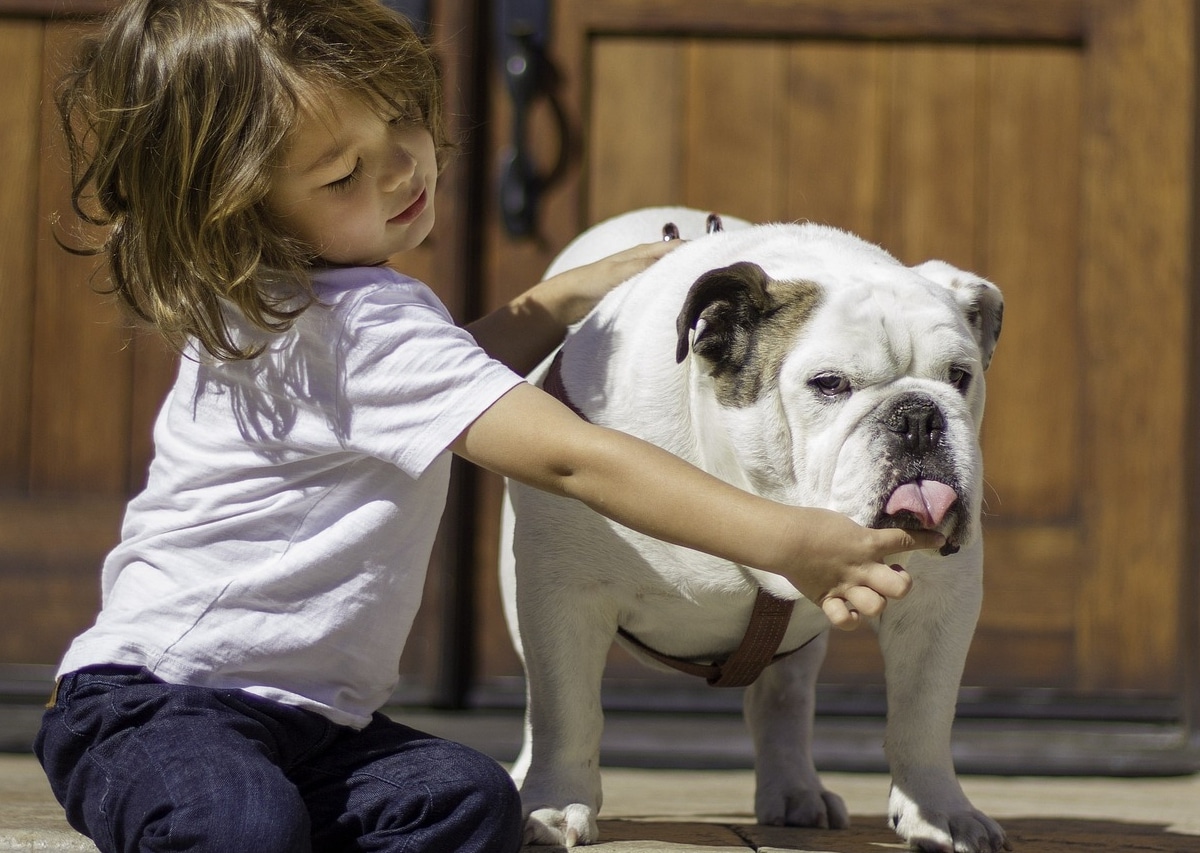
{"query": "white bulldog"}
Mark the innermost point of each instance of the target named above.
(803, 364)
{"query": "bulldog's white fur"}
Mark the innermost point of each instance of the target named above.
(813, 369)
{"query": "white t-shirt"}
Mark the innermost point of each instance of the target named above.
(281, 542)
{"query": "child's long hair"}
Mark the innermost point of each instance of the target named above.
(174, 117)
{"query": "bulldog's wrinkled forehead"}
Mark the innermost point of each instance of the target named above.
(807, 298)
(870, 322)
(888, 329)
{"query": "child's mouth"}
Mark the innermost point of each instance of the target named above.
(411, 212)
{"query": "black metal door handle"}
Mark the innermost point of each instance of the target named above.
(522, 28)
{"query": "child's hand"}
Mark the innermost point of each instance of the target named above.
(578, 290)
(526, 330)
(843, 566)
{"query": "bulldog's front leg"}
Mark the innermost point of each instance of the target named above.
(566, 638)
(779, 710)
(925, 638)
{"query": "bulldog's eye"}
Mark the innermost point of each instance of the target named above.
(960, 378)
(830, 384)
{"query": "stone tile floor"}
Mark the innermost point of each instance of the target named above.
(709, 811)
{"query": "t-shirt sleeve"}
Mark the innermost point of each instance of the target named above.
(410, 379)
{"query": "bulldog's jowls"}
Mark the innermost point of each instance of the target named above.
(810, 367)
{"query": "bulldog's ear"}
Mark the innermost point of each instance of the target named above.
(981, 302)
(723, 306)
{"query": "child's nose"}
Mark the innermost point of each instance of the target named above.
(400, 168)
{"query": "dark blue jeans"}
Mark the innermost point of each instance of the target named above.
(140, 765)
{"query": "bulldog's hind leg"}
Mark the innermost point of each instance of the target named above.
(779, 709)
(566, 638)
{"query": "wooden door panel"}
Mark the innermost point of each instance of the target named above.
(730, 154)
(80, 388)
(835, 115)
(1042, 146)
(68, 395)
(930, 196)
(1029, 245)
(934, 151)
(22, 44)
(50, 554)
(643, 93)
(1136, 306)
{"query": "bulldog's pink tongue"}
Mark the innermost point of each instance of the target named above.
(928, 500)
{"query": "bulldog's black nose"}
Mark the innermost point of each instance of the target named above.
(918, 423)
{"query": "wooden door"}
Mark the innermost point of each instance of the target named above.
(75, 384)
(79, 388)
(1046, 144)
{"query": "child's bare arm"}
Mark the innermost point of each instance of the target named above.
(524, 331)
(529, 436)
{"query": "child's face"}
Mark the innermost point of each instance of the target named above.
(355, 184)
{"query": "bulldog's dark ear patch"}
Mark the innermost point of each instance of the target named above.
(745, 324)
(730, 301)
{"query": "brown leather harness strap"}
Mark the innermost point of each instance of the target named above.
(768, 624)
(768, 620)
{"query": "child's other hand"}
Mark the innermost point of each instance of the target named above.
(845, 568)
(581, 288)
(527, 329)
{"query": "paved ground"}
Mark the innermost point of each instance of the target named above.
(706, 811)
(648, 809)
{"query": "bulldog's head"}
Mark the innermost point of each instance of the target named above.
(845, 379)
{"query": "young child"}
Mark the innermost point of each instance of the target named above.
(255, 162)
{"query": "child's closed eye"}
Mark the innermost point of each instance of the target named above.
(343, 184)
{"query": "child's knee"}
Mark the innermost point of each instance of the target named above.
(467, 802)
(492, 782)
(490, 801)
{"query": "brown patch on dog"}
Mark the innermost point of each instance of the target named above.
(770, 342)
(750, 325)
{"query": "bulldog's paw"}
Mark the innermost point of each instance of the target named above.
(571, 826)
(801, 806)
(959, 830)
